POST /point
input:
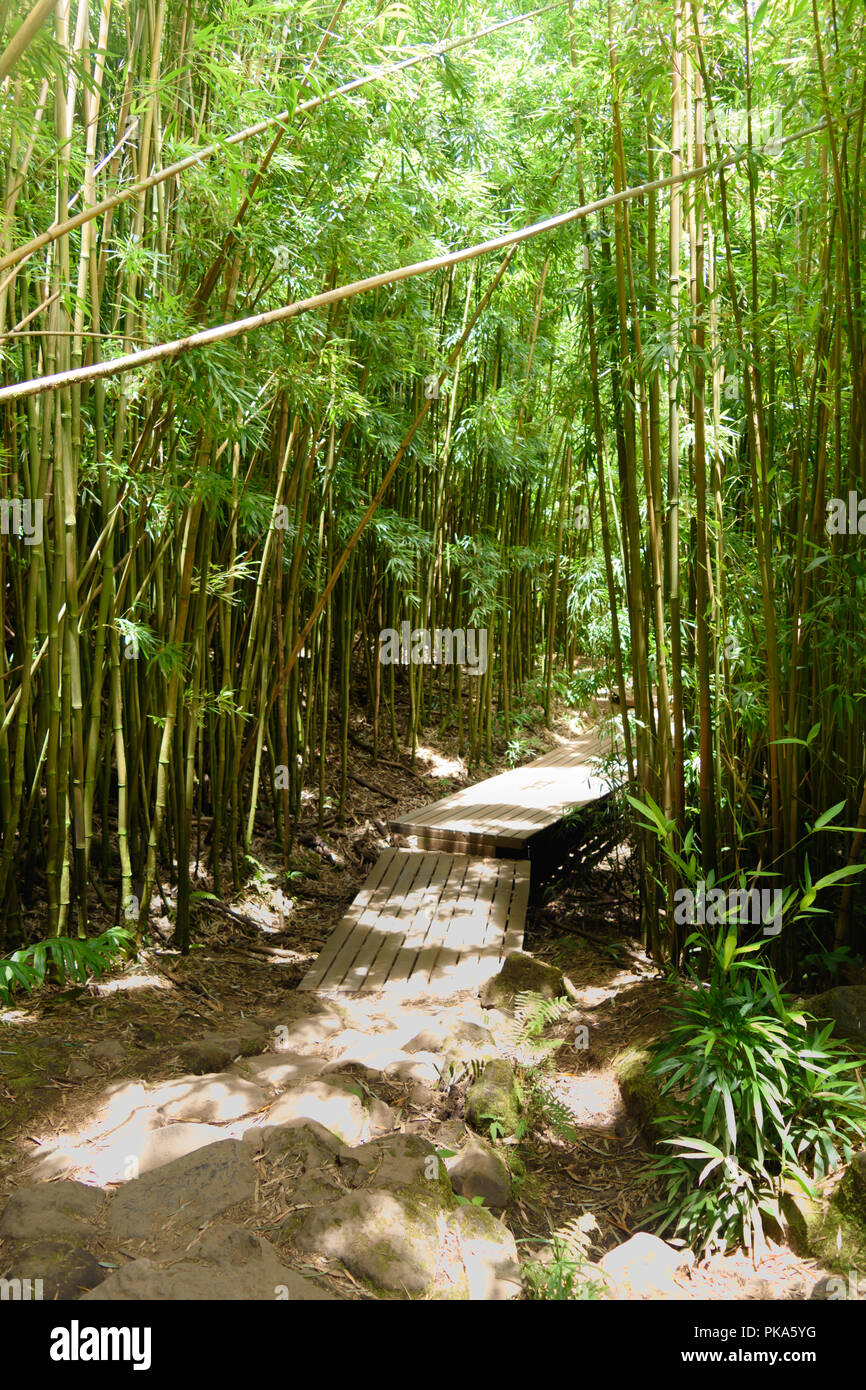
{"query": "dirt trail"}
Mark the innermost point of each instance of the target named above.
(80, 1068)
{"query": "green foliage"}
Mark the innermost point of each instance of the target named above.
(758, 1095)
(566, 1275)
(532, 1015)
(62, 956)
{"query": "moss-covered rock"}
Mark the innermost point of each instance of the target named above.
(519, 974)
(489, 1255)
(479, 1171)
(390, 1239)
(641, 1092)
(66, 1270)
(831, 1227)
(494, 1098)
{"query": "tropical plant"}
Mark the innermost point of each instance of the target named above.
(757, 1095)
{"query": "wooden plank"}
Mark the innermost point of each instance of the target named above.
(513, 939)
(383, 870)
(457, 936)
(358, 945)
(537, 795)
(423, 923)
(476, 929)
(433, 922)
(388, 932)
(461, 866)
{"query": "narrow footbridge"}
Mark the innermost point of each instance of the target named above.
(441, 914)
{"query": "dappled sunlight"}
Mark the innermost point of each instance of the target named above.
(440, 765)
(130, 984)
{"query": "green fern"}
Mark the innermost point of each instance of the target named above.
(548, 1107)
(532, 1014)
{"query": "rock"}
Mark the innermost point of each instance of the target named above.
(479, 1171)
(389, 1239)
(641, 1092)
(162, 1146)
(315, 1189)
(453, 1044)
(108, 1051)
(79, 1070)
(278, 1070)
(421, 1096)
(66, 1270)
(450, 1134)
(494, 1097)
(489, 1255)
(519, 974)
(850, 1196)
(308, 1143)
(337, 1104)
(378, 1055)
(210, 1098)
(215, 1051)
(830, 1227)
(369, 1055)
(51, 1209)
(226, 1263)
(138, 1147)
(845, 1007)
(500, 1023)
(644, 1267)
(420, 1068)
(397, 1161)
(305, 1032)
(191, 1190)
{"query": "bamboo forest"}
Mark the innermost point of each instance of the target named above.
(432, 676)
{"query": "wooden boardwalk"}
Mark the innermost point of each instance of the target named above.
(428, 923)
(442, 916)
(503, 814)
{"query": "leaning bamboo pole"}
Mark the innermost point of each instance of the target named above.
(224, 332)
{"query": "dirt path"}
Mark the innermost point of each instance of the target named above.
(171, 1056)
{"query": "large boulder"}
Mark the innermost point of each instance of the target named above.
(187, 1192)
(395, 1162)
(455, 1043)
(211, 1097)
(479, 1171)
(845, 1007)
(339, 1104)
(495, 1098)
(398, 1227)
(139, 1147)
(522, 973)
(54, 1209)
(389, 1239)
(645, 1267)
(830, 1226)
(304, 1142)
(279, 1070)
(489, 1254)
(226, 1262)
